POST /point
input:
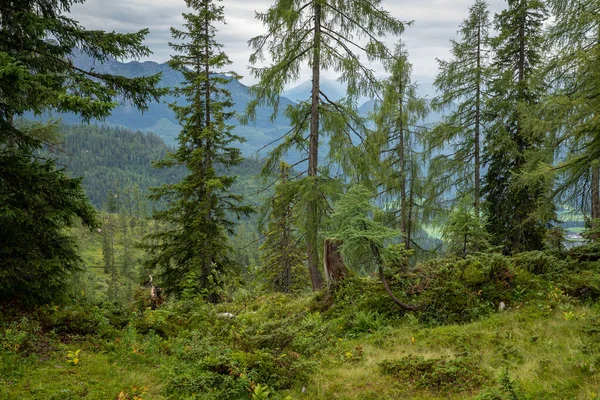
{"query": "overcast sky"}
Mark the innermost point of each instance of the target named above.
(435, 22)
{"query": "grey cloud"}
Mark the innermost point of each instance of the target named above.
(435, 23)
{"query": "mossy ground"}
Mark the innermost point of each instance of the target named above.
(548, 354)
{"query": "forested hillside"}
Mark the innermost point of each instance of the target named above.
(118, 161)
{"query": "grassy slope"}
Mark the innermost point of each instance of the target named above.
(543, 351)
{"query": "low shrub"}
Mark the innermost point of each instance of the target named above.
(461, 290)
(228, 374)
(436, 374)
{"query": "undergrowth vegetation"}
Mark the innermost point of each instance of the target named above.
(488, 327)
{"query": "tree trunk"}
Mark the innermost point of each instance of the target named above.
(312, 214)
(477, 183)
(286, 227)
(207, 268)
(386, 285)
(335, 269)
(411, 203)
(402, 154)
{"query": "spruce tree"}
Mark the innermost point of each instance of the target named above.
(465, 232)
(37, 200)
(571, 111)
(512, 205)
(462, 85)
(328, 35)
(195, 242)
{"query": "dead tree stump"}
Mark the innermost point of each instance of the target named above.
(335, 269)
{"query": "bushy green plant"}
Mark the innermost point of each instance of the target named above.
(18, 336)
(540, 263)
(361, 294)
(164, 322)
(222, 373)
(260, 392)
(366, 322)
(462, 290)
(74, 319)
(73, 357)
(436, 374)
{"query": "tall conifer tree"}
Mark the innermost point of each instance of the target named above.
(200, 207)
(397, 117)
(462, 84)
(327, 35)
(572, 110)
(37, 200)
(512, 205)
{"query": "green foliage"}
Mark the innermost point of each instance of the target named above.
(360, 347)
(397, 165)
(74, 320)
(462, 83)
(73, 357)
(136, 393)
(320, 33)
(282, 258)
(361, 295)
(365, 322)
(438, 375)
(18, 336)
(37, 203)
(300, 42)
(201, 205)
(464, 231)
(461, 290)
(569, 111)
(120, 165)
(517, 210)
(363, 238)
(260, 392)
(37, 200)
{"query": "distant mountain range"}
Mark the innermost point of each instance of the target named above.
(161, 120)
(333, 89)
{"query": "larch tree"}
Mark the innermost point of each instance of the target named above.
(398, 134)
(37, 200)
(515, 208)
(326, 35)
(198, 215)
(462, 86)
(365, 240)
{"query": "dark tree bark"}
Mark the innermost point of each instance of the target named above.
(313, 157)
(335, 269)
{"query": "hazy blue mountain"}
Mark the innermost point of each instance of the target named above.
(333, 89)
(366, 108)
(161, 120)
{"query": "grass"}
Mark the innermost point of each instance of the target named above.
(97, 376)
(546, 353)
(543, 352)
